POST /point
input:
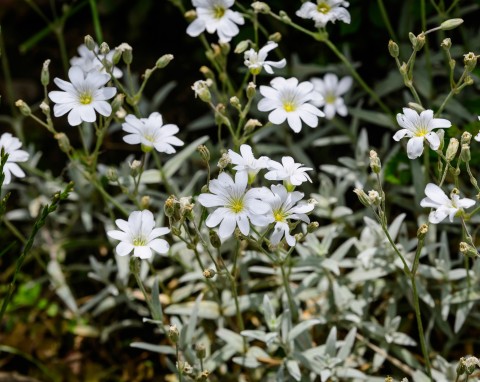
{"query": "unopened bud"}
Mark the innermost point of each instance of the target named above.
(446, 43)
(24, 108)
(207, 72)
(415, 106)
(465, 153)
(200, 351)
(468, 250)
(190, 15)
(362, 197)
(260, 7)
(466, 138)
(90, 43)
(468, 80)
(422, 231)
(202, 91)
(470, 61)
(450, 24)
(209, 273)
(403, 69)
(127, 56)
(242, 46)
(45, 108)
(235, 102)
(375, 163)
(374, 197)
(135, 167)
(117, 55)
(312, 227)
(214, 239)
(413, 39)
(441, 136)
(225, 48)
(45, 74)
(452, 149)
(63, 142)
(224, 161)
(117, 102)
(461, 363)
(275, 37)
(285, 17)
(164, 61)
(251, 90)
(173, 333)
(393, 49)
(104, 48)
(251, 125)
(420, 41)
(220, 117)
(204, 152)
(112, 174)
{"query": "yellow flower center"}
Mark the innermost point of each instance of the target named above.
(218, 11)
(139, 241)
(85, 98)
(323, 8)
(289, 106)
(330, 98)
(279, 215)
(236, 205)
(421, 131)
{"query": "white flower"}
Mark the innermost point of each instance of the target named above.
(444, 206)
(325, 11)
(331, 90)
(477, 137)
(290, 101)
(10, 146)
(215, 16)
(284, 206)
(150, 132)
(419, 128)
(292, 174)
(235, 205)
(139, 235)
(247, 162)
(255, 61)
(89, 62)
(83, 96)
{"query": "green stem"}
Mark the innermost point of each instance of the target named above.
(165, 182)
(179, 369)
(291, 301)
(96, 21)
(386, 20)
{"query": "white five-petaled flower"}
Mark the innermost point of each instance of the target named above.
(332, 90)
(292, 174)
(215, 16)
(81, 97)
(11, 146)
(246, 162)
(139, 235)
(151, 133)
(443, 205)
(284, 207)
(235, 205)
(91, 61)
(419, 128)
(255, 61)
(324, 11)
(291, 101)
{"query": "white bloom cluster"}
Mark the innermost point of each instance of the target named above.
(238, 207)
(91, 61)
(11, 146)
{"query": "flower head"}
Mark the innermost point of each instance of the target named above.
(235, 205)
(419, 129)
(11, 145)
(292, 174)
(443, 205)
(247, 162)
(284, 206)
(215, 16)
(91, 61)
(331, 90)
(81, 97)
(291, 101)
(255, 61)
(138, 234)
(324, 11)
(151, 133)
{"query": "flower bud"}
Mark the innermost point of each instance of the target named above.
(470, 61)
(225, 48)
(164, 61)
(220, 117)
(446, 43)
(413, 39)
(468, 250)
(260, 7)
(422, 231)
(285, 17)
(117, 55)
(375, 163)
(90, 43)
(24, 108)
(415, 106)
(374, 197)
(63, 142)
(312, 227)
(393, 49)
(251, 90)
(200, 351)
(135, 167)
(450, 24)
(45, 74)
(104, 48)
(362, 197)
(441, 135)
(209, 273)
(461, 368)
(173, 333)
(207, 72)
(145, 202)
(466, 138)
(190, 15)
(468, 80)
(420, 41)
(201, 90)
(452, 149)
(251, 125)
(242, 46)
(224, 161)
(203, 377)
(127, 55)
(169, 206)
(45, 108)
(275, 37)
(471, 364)
(204, 152)
(214, 239)
(465, 153)
(112, 174)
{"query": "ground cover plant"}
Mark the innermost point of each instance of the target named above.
(220, 190)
